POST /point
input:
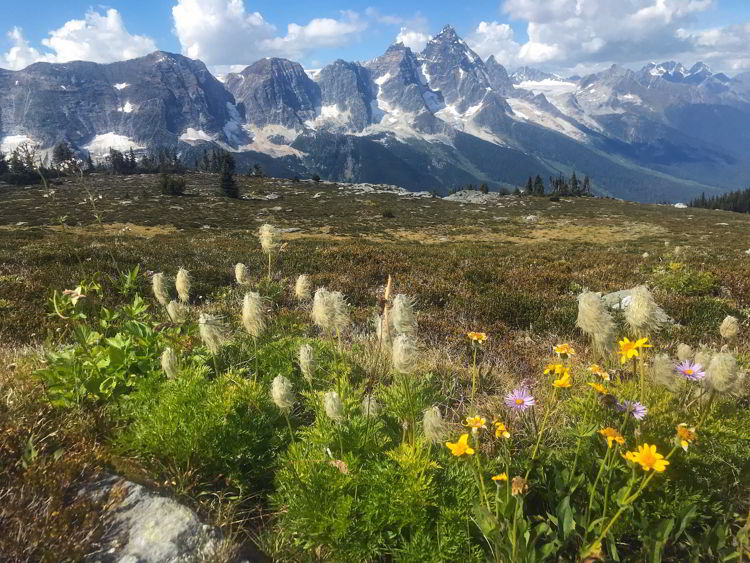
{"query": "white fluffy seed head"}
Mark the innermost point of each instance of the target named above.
(341, 319)
(303, 288)
(596, 322)
(177, 312)
(330, 311)
(663, 372)
(213, 332)
(307, 362)
(253, 314)
(240, 274)
(643, 315)
(282, 393)
(270, 238)
(182, 285)
(402, 315)
(404, 354)
(169, 363)
(729, 328)
(721, 375)
(434, 426)
(333, 407)
(684, 352)
(159, 287)
(370, 407)
(703, 357)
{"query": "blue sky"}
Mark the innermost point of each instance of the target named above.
(564, 35)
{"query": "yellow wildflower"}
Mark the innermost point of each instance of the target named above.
(554, 369)
(598, 387)
(685, 435)
(596, 369)
(476, 422)
(461, 447)
(631, 349)
(564, 381)
(612, 435)
(501, 477)
(479, 337)
(648, 458)
(501, 431)
(564, 350)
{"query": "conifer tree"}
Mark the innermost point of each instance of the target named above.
(228, 186)
(538, 186)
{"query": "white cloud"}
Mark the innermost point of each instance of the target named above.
(223, 33)
(98, 37)
(414, 32)
(493, 38)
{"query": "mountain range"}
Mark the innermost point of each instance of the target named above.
(425, 121)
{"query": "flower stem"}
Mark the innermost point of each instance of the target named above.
(541, 433)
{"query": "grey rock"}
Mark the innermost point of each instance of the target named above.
(348, 90)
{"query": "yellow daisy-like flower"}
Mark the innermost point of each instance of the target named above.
(648, 458)
(564, 381)
(631, 349)
(476, 422)
(685, 435)
(501, 477)
(555, 369)
(501, 431)
(612, 435)
(597, 370)
(630, 456)
(461, 447)
(564, 350)
(598, 387)
(479, 337)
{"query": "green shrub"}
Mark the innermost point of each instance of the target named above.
(169, 185)
(679, 278)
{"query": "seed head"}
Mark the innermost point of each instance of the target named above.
(729, 328)
(330, 311)
(435, 428)
(240, 274)
(333, 407)
(402, 315)
(213, 332)
(307, 362)
(684, 352)
(182, 284)
(177, 312)
(169, 363)
(253, 314)
(663, 372)
(643, 315)
(303, 288)
(721, 375)
(159, 287)
(282, 393)
(703, 357)
(596, 322)
(270, 238)
(370, 407)
(404, 354)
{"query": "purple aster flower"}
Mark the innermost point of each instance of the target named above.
(520, 399)
(635, 408)
(691, 371)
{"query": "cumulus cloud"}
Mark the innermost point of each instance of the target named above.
(223, 33)
(98, 37)
(576, 34)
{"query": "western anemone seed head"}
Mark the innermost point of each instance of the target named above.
(182, 285)
(212, 331)
(177, 312)
(370, 406)
(596, 322)
(240, 274)
(270, 238)
(729, 328)
(435, 428)
(282, 393)
(303, 288)
(307, 362)
(684, 352)
(643, 315)
(402, 315)
(323, 309)
(253, 314)
(404, 354)
(703, 356)
(169, 363)
(721, 375)
(341, 319)
(333, 407)
(663, 372)
(159, 287)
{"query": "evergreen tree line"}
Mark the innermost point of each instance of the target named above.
(738, 201)
(559, 186)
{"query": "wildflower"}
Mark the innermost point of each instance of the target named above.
(612, 435)
(564, 381)
(402, 315)
(554, 369)
(631, 349)
(303, 288)
(501, 431)
(177, 312)
(564, 350)
(370, 406)
(630, 456)
(270, 238)
(663, 372)
(684, 352)
(74, 294)
(433, 425)
(323, 309)
(461, 447)
(648, 458)
(595, 321)
(404, 354)
(333, 407)
(253, 314)
(341, 319)
(722, 375)
(476, 423)
(643, 315)
(598, 387)
(169, 363)
(212, 332)
(307, 362)
(282, 393)
(691, 371)
(685, 435)
(638, 410)
(518, 486)
(599, 371)
(729, 328)
(477, 337)
(182, 284)
(500, 477)
(520, 399)
(159, 287)
(240, 274)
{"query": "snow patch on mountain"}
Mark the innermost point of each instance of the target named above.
(12, 142)
(127, 108)
(272, 140)
(528, 111)
(121, 85)
(195, 135)
(101, 144)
